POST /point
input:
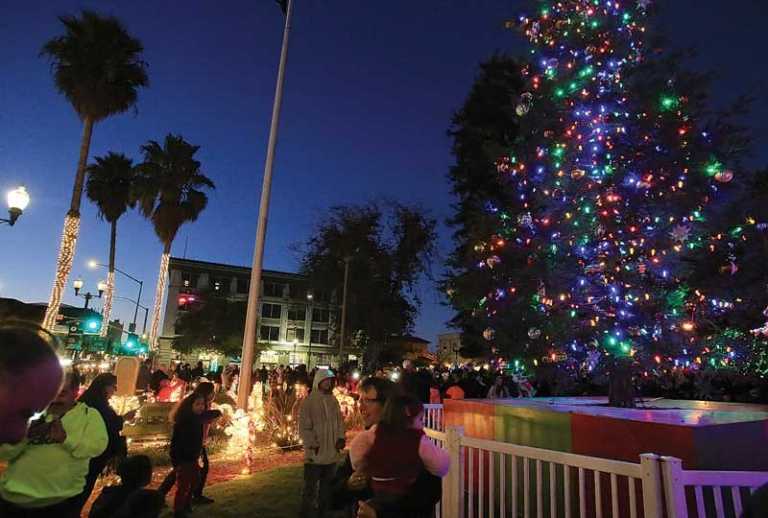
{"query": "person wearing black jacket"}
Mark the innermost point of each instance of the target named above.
(348, 488)
(135, 474)
(189, 419)
(97, 397)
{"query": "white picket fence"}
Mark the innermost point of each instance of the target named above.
(490, 479)
(713, 494)
(433, 417)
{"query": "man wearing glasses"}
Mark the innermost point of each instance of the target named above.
(350, 487)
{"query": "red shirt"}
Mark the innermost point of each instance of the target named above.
(394, 462)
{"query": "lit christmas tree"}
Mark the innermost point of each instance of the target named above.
(603, 198)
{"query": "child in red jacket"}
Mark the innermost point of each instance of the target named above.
(189, 419)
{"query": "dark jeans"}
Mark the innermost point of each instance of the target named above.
(170, 478)
(69, 508)
(188, 477)
(315, 498)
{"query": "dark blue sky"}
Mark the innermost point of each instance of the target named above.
(371, 87)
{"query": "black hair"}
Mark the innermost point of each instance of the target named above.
(399, 412)
(183, 410)
(95, 396)
(135, 471)
(25, 344)
(384, 388)
(205, 389)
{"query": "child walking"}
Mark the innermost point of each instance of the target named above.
(189, 419)
(394, 452)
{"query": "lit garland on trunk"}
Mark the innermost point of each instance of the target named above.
(162, 278)
(63, 268)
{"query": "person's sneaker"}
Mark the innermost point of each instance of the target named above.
(202, 500)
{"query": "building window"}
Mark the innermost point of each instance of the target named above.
(297, 291)
(298, 313)
(295, 333)
(269, 333)
(320, 315)
(321, 296)
(243, 285)
(319, 336)
(189, 279)
(273, 289)
(271, 310)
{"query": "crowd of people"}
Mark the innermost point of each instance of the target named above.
(57, 437)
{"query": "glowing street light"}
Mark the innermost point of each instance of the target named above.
(17, 199)
(78, 285)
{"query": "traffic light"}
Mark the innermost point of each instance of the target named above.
(132, 342)
(133, 345)
(91, 324)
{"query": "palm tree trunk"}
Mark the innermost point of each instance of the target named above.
(110, 281)
(159, 294)
(71, 231)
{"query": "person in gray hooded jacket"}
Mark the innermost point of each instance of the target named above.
(321, 427)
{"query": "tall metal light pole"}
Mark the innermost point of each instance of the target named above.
(344, 307)
(251, 316)
(95, 264)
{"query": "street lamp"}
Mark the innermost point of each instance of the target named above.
(78, 285)
(93, 264)
(17, 199)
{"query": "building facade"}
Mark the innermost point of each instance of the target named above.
(296, 324)
(448, 346)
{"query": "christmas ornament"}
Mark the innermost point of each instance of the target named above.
(534, 333)
(680, 233)
(578, 174)
(724, 176)
(731, 267)
(493, 261)
(534, 30)
(489, 333)
(594, 268)
(524, 104)
(479, 247)
(503, 165)
(525, 220)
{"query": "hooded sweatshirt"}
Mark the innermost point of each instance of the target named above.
(40, 475)
(321, 423)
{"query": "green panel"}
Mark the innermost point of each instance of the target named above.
(533, 427)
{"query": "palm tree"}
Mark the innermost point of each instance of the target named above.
(170, 192)
(110, 186)
(97, 66)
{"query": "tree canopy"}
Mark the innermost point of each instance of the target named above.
(215, 323)
(389, 246)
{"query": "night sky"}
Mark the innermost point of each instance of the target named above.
(371, 88)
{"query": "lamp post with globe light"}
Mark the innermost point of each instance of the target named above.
(78, 285)
(17, 199)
